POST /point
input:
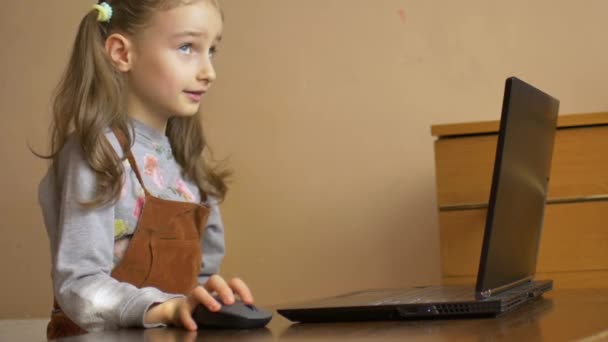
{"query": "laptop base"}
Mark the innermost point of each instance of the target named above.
(431, 302)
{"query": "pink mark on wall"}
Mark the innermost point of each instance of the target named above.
(402, 16)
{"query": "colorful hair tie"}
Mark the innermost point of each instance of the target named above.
(105, 12)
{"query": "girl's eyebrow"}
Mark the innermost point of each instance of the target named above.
(194, 34)
(187, 34)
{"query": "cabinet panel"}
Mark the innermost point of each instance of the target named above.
(574, 238)
(464, 166)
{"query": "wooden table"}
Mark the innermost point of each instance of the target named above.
(563, 315)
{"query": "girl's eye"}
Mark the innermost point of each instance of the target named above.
(186, 48)
(212, 51)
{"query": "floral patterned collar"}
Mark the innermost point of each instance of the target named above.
(149, 136)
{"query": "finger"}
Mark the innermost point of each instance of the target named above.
(201, 296)
(239, 287)
(185, 317)
(219, 285)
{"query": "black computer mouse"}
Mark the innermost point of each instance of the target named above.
(236, 316)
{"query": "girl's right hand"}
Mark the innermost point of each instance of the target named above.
(178, 311)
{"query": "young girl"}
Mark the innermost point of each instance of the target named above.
(130, 204)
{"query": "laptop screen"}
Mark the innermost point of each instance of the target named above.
(519, 188)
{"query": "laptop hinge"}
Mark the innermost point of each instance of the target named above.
(491, 292)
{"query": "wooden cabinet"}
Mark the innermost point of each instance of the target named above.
(574, 244)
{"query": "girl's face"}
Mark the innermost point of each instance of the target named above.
(172, 61)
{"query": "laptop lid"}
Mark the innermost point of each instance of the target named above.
(519, 188)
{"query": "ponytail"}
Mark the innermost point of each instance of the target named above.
(88, 100)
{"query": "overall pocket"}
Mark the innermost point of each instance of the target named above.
(175, 265)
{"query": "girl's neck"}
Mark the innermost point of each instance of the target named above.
(137, 110)
(157, 124)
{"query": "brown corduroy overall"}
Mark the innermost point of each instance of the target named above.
(164, 252)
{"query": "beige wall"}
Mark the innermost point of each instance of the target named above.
(323, 108)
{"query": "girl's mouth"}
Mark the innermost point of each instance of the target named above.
(195, 96)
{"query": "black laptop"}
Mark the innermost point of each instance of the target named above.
(511, 237)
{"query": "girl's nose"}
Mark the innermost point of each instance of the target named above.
(207, 72)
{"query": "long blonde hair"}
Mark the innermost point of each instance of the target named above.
(89, 99)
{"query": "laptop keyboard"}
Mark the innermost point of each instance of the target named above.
(429, 294)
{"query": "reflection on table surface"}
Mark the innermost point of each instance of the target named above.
(563, 315)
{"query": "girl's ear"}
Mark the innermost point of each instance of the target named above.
(120, 50)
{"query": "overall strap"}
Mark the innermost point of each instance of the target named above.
(127, 150)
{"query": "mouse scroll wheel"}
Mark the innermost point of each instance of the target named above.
(253, 308)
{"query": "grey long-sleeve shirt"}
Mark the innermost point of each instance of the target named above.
(86, 244)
